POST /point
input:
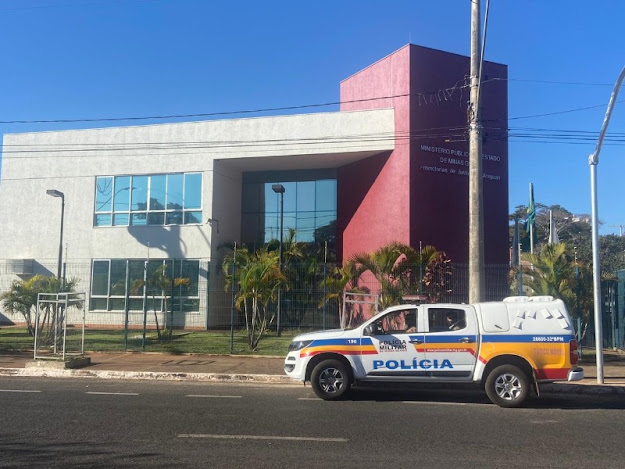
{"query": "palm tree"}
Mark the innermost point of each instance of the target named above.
(341, 280)
(550, 272)
(258, 277)
(400, 270)
(21, 298)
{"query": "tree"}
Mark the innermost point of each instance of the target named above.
(22, 298)
(161, 281)
(550, 272)
(401, 270)
(258, 277)
(340, 280)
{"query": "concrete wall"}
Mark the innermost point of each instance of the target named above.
(69, 161)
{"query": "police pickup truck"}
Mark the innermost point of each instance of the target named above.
(506, 346)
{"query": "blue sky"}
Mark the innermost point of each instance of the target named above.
(92, 59)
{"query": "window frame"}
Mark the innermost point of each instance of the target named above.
(179, 298)
(183, 215)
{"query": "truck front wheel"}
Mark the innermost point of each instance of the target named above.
(507, 386)
(330, 379)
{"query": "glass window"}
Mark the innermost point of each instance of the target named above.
(173, 218)
(306, 196)
(103, 220)
(139, 199)
(103, 194)
(139, 219)
(100, 278)
(193, 191)
(135, 277)
(117, 304)
(121, 200)
(109, 284)
(326, 195)
(99, 303)
(118, 277)
(192, 217)
(174, 192)
(446, 319)
(305, 226)
(190, 270)
(120, 219)
(158, 192)
(309, 207)
(290, 196)
(156, 218)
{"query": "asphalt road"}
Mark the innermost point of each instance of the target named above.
(96, 423)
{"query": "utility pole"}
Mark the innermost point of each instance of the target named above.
(476, 223)
(620, 228)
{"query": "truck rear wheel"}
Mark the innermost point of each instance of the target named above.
(330, 379)
(507, 386)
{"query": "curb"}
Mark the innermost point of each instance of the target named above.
(561, 388)
(145, 375)
(565, 388)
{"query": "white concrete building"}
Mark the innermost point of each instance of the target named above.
(171, 193)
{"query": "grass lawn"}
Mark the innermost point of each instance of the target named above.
(206, 342)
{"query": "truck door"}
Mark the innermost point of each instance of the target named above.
(392, 346)
(450, 341)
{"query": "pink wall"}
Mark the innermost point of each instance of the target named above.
(374, 194)
(419, 192)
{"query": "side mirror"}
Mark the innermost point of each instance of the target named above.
(368, 330)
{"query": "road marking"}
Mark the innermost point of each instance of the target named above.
(261, 437)
(113, 393)
(308, 399)
(435, 403)
(213, 396)
(541, 422)
(16, 390)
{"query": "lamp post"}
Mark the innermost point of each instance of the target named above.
(279, 189)
(593, 161)
(55, 193)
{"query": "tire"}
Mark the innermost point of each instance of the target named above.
(507, 386)
(330, 379)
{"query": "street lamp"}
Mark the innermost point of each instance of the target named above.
(279, 189)
(55, 193)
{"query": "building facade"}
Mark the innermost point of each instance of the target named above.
(391, 165)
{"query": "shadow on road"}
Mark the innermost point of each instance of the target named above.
(30, 452)
(463, 395)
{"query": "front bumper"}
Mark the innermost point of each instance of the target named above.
(294, 366)
(575, 374)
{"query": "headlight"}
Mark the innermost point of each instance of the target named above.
(299, 345)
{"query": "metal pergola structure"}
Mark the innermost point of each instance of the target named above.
(54, 307)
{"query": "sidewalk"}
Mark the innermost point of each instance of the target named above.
(231, 368)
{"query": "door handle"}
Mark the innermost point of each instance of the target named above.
(416, 341)
(467, 340)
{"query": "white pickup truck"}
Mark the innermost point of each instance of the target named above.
(507, 346)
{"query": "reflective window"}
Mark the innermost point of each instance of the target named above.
(174, 191)
(158, 192)
(139, 193)
(175, 280)
(309, 208)
(99, 278)
(102, 220)
(103, 194)
(192, 191)
(172, 199)
(306, 196)
(121, 199)
(325, 195)
(120, 219)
